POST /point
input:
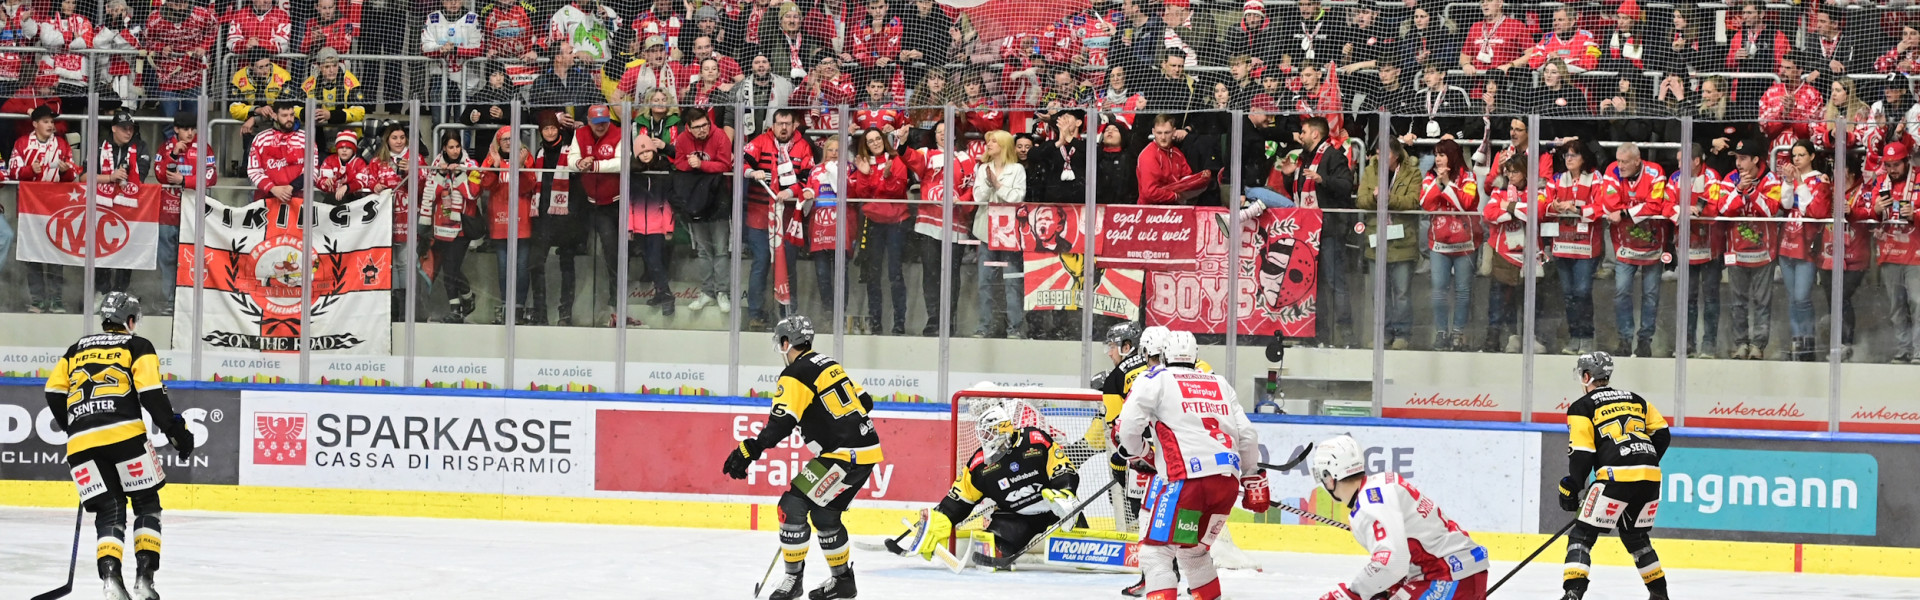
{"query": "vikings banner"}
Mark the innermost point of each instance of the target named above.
(255, 284)
(1055, 282)
(1278, 266)
(1029, 227)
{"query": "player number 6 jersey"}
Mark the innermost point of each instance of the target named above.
(1409, 538)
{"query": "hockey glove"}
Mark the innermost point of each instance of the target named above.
(178, 436)
(1142, 464)
(935, 531)
(1258, 496)
(1061, 501)
(1569, 494)
(739, 458)
(1340, 592)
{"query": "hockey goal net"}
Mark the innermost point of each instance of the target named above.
(1069, 415)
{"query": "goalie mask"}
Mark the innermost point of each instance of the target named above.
(997, 431)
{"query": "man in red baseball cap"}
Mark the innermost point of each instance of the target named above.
(1893, 198)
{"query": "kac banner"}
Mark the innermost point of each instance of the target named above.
(1051, 228)
(1154, 238)
(53, 227)
(255, 286)
(1278, 266)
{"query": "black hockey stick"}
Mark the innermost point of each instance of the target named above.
(1523, 564)
(1298, 458)
(777, 552)
(1312, 517)
(73, 559)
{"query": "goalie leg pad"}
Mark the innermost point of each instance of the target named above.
(1157, 567)
(1202, 578)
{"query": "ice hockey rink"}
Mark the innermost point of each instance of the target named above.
(234, 555)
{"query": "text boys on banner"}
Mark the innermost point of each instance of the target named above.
(1278, 266)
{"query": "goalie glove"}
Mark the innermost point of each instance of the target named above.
(1258, 496)
(1061, 501)
(934, 530)
(740, 458)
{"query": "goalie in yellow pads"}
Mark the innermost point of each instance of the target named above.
(1023, 471)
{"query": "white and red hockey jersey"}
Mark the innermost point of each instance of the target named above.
(1410, 538)
(1197, 424)
(276, 158)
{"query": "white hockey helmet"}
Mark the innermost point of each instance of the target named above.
(996, 428)
(1153, 341)
(1182, 348)
(1336, 459)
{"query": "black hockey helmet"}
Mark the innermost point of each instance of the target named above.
(796, 330)
(1598, 365)
(1127, 333)
(119, 310)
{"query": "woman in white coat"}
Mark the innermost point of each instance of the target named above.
(999, 179)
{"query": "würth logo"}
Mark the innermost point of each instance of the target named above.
(279, 438)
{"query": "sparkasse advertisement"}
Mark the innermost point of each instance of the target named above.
(418, 443)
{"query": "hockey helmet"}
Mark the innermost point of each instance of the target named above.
(1153, 340)
(1336, 459)
(796, 330)
(1182, 349)
(119, 310)
(1127, 333)
(996, 428)
(1599, 365)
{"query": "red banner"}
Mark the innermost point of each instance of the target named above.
(1056, 282)
(1054, 228)
(1278, 266)
(53, 227)
(674, 452)
(1154, 238)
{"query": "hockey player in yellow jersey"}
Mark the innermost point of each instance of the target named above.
(1026, 475)
(97, 392)
(1619, 438)
(816, 395)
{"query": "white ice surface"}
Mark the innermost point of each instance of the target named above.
(256, 556)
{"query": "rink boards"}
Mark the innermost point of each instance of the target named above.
(1787, 502)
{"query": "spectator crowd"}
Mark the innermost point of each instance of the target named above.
(1128, 102)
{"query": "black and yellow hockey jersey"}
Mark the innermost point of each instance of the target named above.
(97, 389)
(1617, 435)
(1014, 481)
(830, 409)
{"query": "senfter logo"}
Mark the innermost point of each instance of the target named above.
(1762, 490)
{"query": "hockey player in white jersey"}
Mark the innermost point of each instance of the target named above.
(1417, 552)
(1203, 438)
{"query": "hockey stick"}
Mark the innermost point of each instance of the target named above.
(73, 559)
(1523, 564)
(1312, 517)
(777, 553)
(1298, 458)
